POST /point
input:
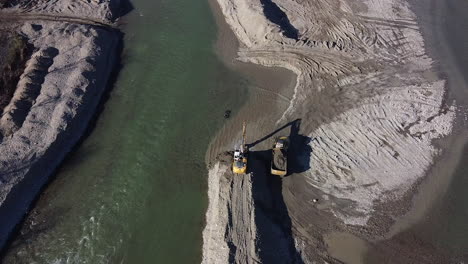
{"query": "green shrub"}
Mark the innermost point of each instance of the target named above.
(17, 49)
(16, 54)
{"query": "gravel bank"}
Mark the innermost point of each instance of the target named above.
(55, 98)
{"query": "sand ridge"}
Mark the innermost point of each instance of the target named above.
(367, 97)
(98, 10)
(233, 220)
(55, 98)
(370, 65)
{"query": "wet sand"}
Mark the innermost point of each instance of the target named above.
(346, 247)
(230, 236)
(295, 192)
(436, 224)
(269, 94)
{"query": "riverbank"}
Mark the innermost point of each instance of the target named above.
(367, 105)
(55, 98)
(143, 173)
(435, 222)
(232, 217)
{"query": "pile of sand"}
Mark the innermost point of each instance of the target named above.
(98, 10)
(367, 97)
(365, 91)
(55, 98)
(230, 233)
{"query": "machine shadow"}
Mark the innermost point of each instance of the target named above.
(273, 13)
(299, 153)
(274, 228)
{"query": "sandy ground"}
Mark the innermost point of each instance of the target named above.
(365, 109)
(99, 10)
(55, 98)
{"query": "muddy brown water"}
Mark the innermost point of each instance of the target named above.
(446, 225)
(436, 229)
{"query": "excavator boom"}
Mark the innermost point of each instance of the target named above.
(243, 134)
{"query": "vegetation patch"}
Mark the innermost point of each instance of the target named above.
(8, 3)
(12, 3)
(3, 3)
(14, 51)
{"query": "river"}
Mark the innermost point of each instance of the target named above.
(135, 189)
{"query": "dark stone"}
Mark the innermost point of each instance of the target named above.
(227, 114)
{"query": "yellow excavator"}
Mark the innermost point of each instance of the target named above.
(239, 165)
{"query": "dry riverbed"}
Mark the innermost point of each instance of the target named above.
(362, 114)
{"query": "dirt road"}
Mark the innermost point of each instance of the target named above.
(13, 17)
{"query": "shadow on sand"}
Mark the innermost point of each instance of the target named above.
(273, 13)
(299, 148)
(276, 242)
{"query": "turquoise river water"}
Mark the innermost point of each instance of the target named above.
(135, 190)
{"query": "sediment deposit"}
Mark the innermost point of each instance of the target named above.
(55, 98)
(229, 215)
(367, 97)
(93, 10)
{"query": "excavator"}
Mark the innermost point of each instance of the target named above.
(239, 165)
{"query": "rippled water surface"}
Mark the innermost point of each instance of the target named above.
(135, 190)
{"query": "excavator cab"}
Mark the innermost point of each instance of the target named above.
(239, 165)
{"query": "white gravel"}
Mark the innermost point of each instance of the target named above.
(55, 99)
